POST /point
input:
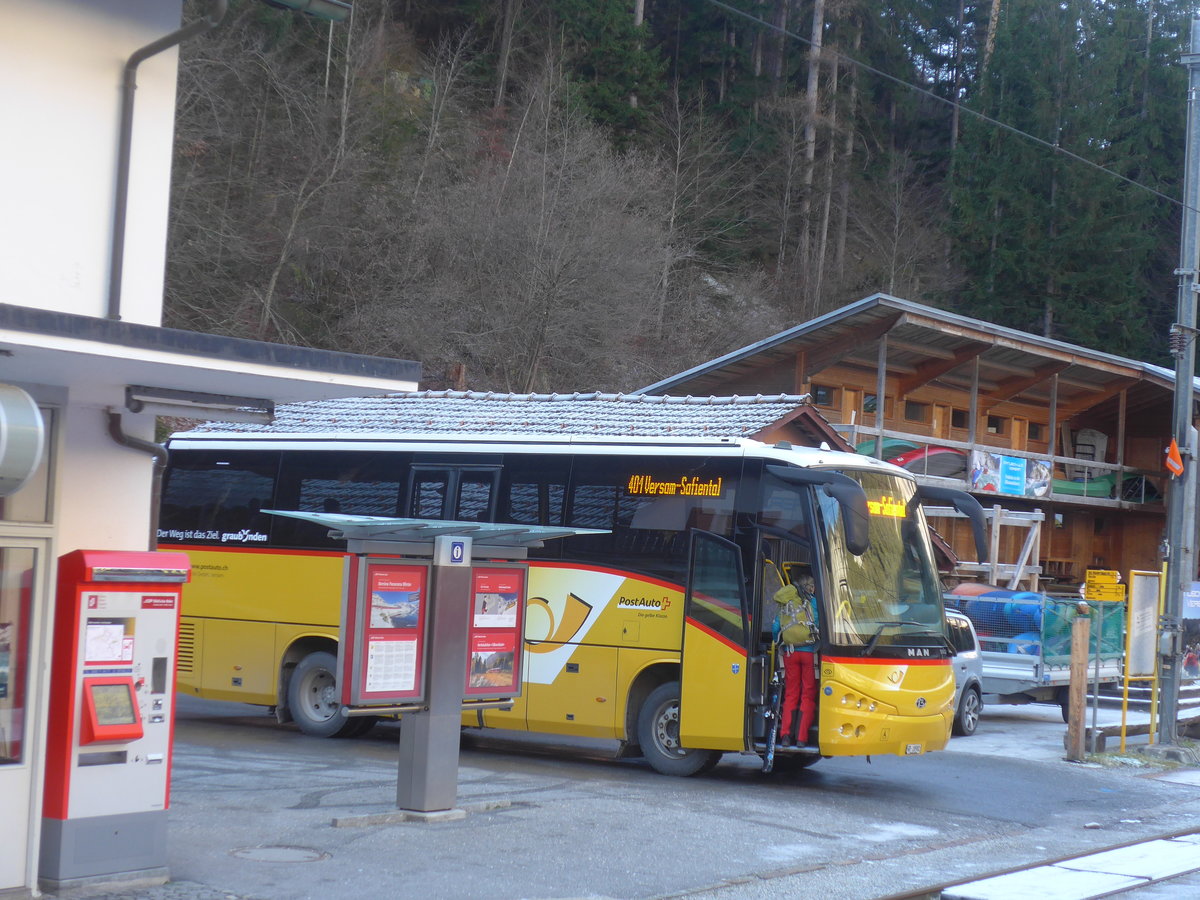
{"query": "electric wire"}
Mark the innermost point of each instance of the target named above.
(866, 67)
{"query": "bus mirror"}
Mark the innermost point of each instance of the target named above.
(965, 504)
(853, 501)
(848, 493)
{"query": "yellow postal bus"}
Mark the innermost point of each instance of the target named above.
(656, 634)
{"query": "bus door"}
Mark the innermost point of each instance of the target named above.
(457, 493)
(716, 636)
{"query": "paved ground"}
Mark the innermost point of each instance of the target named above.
(255, 812)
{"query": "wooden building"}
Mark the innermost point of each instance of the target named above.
(1062, 443)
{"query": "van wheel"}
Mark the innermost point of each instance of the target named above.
(313, 698)
(658, 734)
(966, 720)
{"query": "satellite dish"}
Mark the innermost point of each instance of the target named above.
(22, 438)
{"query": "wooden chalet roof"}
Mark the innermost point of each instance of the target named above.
(926, 344)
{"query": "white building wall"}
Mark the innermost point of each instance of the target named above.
(61, 75)
(61, 64)
(103, 490)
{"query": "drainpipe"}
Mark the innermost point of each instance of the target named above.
(125, 145)
(158, 451)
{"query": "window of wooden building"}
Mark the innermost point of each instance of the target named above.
(824, 395)
(916, 412)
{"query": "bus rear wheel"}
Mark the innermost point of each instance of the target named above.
(314, 701)
(658, 735)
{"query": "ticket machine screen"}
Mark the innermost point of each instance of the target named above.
(114, 704)
(110, 711)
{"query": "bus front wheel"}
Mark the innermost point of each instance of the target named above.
(658, 734)
(314, 701)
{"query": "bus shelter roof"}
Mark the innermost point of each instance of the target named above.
(386, 528)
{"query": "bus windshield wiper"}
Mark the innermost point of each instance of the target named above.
(882, 625)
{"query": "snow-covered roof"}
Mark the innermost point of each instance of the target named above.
(430, 413)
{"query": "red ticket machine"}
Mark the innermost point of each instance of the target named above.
(112, 704)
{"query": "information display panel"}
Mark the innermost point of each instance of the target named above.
(494, 633)
(110, 711)
(389, 628)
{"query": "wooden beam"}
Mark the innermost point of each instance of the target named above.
(1121, 424)
(931, 369)
(1013, 342)
(1052, 426)
(936, 352)
(1010, 368)
(1093, 400)
(973, 421)
(830, 352)
(894, 367)
(801, 373)
(1081, 383)
(1012, 387)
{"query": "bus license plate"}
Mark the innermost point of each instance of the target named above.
(910, 749)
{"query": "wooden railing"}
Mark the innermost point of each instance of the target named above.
(1117, 484)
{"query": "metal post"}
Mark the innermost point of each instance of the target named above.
(1099, 644)
(1181, 503)
(880, 389)
(428, 773)
(1077, 689)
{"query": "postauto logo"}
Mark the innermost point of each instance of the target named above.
(643, 603)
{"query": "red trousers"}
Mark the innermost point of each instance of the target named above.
(799, 689)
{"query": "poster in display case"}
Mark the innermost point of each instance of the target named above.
(494, 633)
(389, 627)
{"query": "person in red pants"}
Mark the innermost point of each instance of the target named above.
(796, 641)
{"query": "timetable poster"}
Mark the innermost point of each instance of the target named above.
(393, 646)
(494, 645)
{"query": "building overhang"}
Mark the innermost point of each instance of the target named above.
(927, 345)
(97, 359)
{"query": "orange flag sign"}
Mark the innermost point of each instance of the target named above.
(1174, 462)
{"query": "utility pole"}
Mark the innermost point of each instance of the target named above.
(1181, 501)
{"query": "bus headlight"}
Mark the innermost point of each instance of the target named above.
(859, 702)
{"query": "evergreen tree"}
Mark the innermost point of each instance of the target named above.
(1051, 244)
(615, 75)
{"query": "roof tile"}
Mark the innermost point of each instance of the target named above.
(474, 412)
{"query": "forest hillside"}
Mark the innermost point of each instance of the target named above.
(540, 195)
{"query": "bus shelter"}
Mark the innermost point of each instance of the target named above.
(432, 624)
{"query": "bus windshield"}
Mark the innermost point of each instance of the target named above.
(891, 595)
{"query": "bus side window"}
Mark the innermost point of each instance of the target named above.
(210, 493)
(524, 504)
(351, 483)
(532, 490)
(476, 491)
(427, 499)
